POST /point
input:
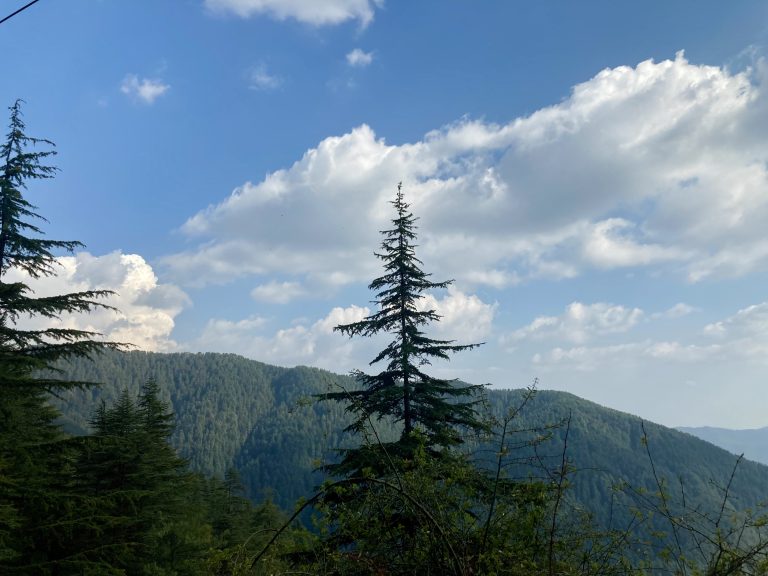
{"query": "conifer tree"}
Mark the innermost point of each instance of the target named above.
(35, 461)
(25, 350)
(137, 484)
(432, 408)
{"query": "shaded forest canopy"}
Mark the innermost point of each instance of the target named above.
(261, 419)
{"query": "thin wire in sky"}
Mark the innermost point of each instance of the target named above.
(19, 10)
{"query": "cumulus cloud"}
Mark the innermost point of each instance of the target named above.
(313, 344)
(313, 12)
(609, 245)
(657, 166)
(744, 335)
(741, 339)
(145, 308)
(359, 59)
(579, 323)
(633, 355)
(261, 80)
(464, 317)
(144, 90)
(653, 374)
(750, 322)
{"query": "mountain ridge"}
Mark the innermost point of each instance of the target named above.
(263, 420)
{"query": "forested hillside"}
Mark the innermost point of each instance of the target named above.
(218, 398)
(264, 421)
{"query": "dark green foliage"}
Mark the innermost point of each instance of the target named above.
(430, 517)
(34, 479)
(283, 444)
(277, 445)
(140, 512)
(132, 481)
(606, 448)
(35, 458)
(23, 350)
(438, 409)
(271, 432)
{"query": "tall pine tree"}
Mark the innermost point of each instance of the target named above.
(431, 410)
(35, 460)
(22, 351)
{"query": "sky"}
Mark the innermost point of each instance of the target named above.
(592, 175)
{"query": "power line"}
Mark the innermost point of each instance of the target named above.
(17, 11)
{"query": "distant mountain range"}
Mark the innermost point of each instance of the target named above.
(753, 443)
(264, 421)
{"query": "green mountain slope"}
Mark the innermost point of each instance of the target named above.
(262, 419)
(609, 448)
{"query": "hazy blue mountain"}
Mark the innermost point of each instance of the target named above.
(753, 443)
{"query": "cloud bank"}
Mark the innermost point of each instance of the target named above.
(660, 167)
(145, 308)
(580, 323)
(600, 351)
(315, 343)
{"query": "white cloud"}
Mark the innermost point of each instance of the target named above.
(737, 260)
(740, 340)
(744, 335)
(463, 317)
(359, 59)
(260, 79)
(145, 308)
(313, 12)
(608, 245)
(677, 311)
(748, 323)
(493, 277)
(277, 292)
(579, 323)
(645, 373)
(145, 90)
(658, 166)
(313, 344)
(632, 355)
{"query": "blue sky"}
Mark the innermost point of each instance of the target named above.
(594, 176)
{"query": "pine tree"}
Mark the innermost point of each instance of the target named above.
(137, 482)
(22, 351)
(429, 408)
(35, 458)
